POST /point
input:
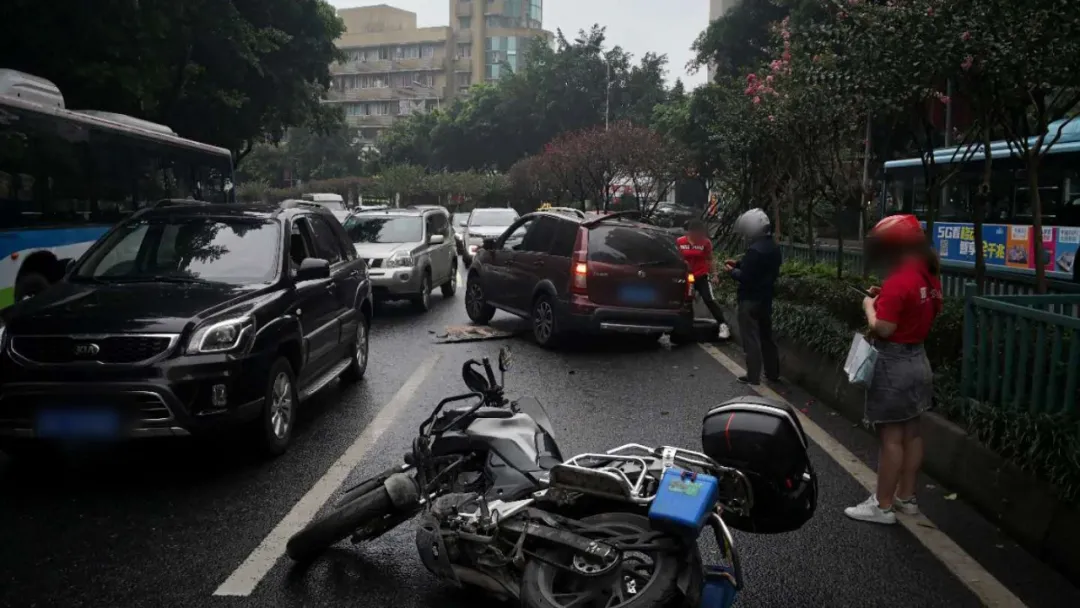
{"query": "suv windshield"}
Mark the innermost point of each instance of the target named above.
(400, 229)
(222, 250)
(633, 246)
(492, 217)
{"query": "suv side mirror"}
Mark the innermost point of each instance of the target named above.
(436, 239)
(313, 269)
(489, 244)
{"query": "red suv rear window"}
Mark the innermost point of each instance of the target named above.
(610, 244)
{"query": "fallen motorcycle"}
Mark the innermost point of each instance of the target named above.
(501, 510)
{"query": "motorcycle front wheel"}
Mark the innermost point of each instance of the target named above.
(370, 515)
(646, 579)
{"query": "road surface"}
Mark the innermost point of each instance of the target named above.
(171, 524)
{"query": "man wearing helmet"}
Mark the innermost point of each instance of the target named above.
(756, 274)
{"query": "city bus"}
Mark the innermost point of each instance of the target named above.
(1008, 238)
(67, 176)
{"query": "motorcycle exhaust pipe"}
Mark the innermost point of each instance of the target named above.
(486, 582)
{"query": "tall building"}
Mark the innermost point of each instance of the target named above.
(393, 68)
(717, 9)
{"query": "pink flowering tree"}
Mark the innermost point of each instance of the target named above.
(819, 127)
(895, 59)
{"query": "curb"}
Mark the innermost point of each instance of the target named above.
(1026, 508)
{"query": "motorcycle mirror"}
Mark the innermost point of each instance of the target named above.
(474, 379)
(506, 359)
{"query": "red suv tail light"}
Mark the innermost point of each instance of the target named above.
(580, 263)
(690, 286)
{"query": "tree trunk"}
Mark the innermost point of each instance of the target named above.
(839, 245)
(810, 231)
(1036, 222)
(978, 213)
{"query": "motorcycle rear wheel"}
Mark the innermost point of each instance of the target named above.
(320, 535)
(545, 586)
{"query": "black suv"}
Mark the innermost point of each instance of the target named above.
(187, 318)
(570, 274)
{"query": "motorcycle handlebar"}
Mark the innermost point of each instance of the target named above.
(490, 373)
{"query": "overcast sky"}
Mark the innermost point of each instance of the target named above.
(639, 26)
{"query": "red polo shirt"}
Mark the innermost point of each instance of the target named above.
(910, 298)
(697, 255)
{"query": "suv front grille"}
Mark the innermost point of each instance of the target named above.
(115, 349)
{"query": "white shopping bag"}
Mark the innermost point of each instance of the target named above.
(860, 362)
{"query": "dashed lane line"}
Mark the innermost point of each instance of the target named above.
(244, 579)
(988, 589)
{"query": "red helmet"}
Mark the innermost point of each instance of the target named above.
(902, 229)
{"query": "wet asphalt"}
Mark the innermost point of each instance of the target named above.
(163, 524)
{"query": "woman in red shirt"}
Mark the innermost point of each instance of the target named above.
(899, 315)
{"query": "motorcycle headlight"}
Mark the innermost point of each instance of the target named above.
(222, 337)
(400, 259)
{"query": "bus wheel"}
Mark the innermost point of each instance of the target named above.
(29, 285)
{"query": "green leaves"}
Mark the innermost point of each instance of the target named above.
(556, 90)
(225, 73)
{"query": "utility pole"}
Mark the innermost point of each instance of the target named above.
(607, 96)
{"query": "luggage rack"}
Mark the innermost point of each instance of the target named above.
(606, 475)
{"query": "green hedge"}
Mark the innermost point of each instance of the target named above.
(817, 310)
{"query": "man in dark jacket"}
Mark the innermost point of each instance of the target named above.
(756, 274)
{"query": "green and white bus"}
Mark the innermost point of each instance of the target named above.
(67, 176)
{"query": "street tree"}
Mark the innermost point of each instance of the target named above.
(230, 74)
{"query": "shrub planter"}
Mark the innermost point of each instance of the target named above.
(1025, 507)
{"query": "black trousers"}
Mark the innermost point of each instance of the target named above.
(701, 284)
(755, 329)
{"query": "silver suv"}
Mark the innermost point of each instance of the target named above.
(408, 251)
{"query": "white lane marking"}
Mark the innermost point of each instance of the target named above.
(988, 589)
(243, 580)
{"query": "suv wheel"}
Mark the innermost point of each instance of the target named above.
(476, 306)
(275, 426)
(358, 352)
(422, 301)
(545, 325)
(449, 288)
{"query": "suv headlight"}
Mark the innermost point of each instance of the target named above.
(222, 337)
(399, 259)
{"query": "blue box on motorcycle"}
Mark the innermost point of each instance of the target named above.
(683, 501)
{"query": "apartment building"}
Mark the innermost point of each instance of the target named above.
(717, 9)
(392, 68)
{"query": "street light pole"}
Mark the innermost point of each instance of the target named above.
(607, 96)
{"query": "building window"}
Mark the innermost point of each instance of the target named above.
(464, 23)
(464, 50)
(427, 51)
(536, 11)
(384, 53)
(464, 79)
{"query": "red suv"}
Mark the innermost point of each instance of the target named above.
(568, 274)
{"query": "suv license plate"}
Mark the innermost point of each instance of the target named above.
(637, 294)
(78, 424)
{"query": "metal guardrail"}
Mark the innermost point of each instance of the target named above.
(1022, 351)
(954, 275)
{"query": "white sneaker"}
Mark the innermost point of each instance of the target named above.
(907, 507)
(725, 331)
(868, 510)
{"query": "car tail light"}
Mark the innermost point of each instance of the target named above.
(690, 286)
(580, 269)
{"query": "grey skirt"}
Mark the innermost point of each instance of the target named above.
(902, 387)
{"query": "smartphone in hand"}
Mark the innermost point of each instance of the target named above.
(865, 293)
